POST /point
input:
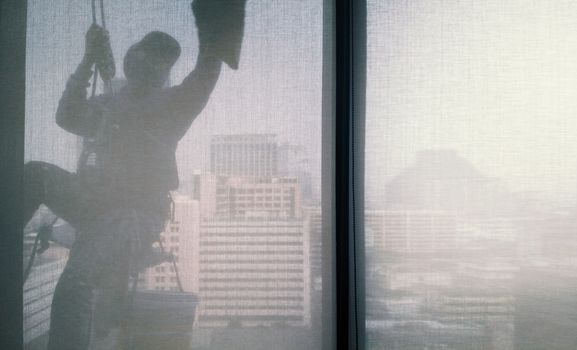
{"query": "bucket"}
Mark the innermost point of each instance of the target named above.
(161, 320)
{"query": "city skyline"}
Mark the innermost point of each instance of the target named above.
(448, 288)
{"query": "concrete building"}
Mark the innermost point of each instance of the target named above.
(38, 292)
(412, 232)
(488, 273)
(277, 338)
(295, 161)
(423, 334)
(251, 270)
(254, 272)
(39, 289)
(442, 180)
(546, 306)
(249, 197)
(244, 155)
(490, 310)
(180, 238)
(374, 228)
(314, 218)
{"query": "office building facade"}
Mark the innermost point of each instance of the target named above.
(254, 155)
(254, 272)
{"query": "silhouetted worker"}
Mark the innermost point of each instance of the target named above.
(118, 200)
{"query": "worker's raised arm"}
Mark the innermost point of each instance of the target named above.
(189, 98)
(75, 113)
(220, 25)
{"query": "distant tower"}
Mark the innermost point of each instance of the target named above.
(443, 180)
(254, 155)
(294, 162)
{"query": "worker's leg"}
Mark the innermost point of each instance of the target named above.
(99, 251)
(111, 293)
(101, 254)
(54, 187)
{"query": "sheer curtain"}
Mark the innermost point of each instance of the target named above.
(247, 213)
(471, 188)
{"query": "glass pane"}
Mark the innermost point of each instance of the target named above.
(471, 178)
(243, 221)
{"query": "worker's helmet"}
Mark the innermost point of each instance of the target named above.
(157, 51)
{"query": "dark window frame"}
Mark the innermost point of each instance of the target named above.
(348, 142)
(12, 99)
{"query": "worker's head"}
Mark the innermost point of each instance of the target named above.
(147, 63)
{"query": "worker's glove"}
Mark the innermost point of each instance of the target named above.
(220, 26)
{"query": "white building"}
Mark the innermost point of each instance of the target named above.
(314, 218)
(180, 238)
(412, 231)
(244, 155)
(235, 198)
(255, 272)
(37, 297)
(38, 289)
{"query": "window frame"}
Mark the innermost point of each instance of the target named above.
(12, 99)
(348, 145)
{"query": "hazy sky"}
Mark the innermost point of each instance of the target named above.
(276, 90)
(496, 80)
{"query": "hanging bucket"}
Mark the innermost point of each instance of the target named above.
(158, 320)
(161, 320)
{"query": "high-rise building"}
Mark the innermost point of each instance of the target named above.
(546, 306)
(254, 272)
(489, 310)
(442, 180)
(253, 248)
(39, 289)
(314, 218)
(418, 231)
(249, 197)
(556, 235)
(38, 292)
(244, 155)
(295, 161)
(180, 238)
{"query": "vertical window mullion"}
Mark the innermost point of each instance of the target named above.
(344, 276)
(350, 54)
(328, 184)
(359, 47)
(12, 92)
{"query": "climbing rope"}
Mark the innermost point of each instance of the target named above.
(107, 82)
